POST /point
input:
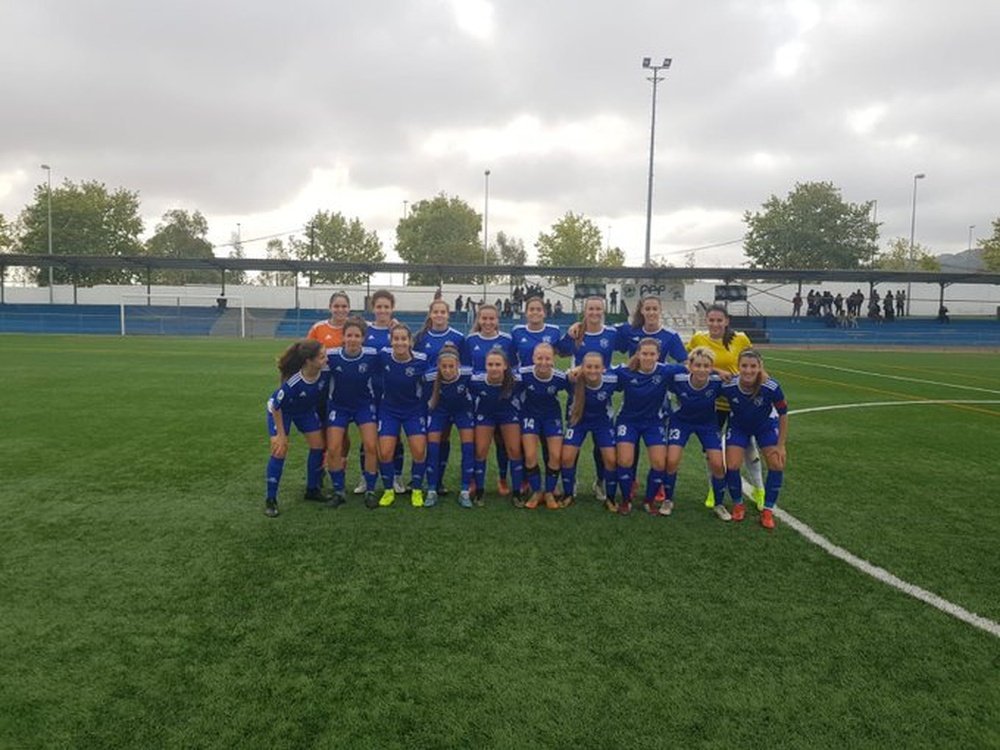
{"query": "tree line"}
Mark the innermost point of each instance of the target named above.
(813, 227)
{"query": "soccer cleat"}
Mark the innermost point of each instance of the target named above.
(625, 508)
(315, 494)
(661, 493)
(503, 489)
(387, 499)
(767, 518)
(464, 500)
(599, 492)
(533, 501)
(518, 500)
(568, 501)
(667, 508)
(479, 501)
(270, 508)
(371, 502)
(442, 491)
(758, 497)
(550, 502)
(650, 507)
(417, 498)
(710, 499)
(336, 501)
(361, 488)
(722, 513)
(397, 486)
(431, 500)
(739, 512)
(609, 505)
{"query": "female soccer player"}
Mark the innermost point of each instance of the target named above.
(352, 399)
(534, 331)
(496, 394)
(757, 411)
(402, 407)
(450, 403)
(430, 339)
(697, 391)
(726, 345)
(541, 419)
(644, 381)
(647, 323)
(304, 384)
(484, 337)
(590, 411)
(330, 333)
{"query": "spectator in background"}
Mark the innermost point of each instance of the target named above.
(498, 305)
(613, 298)
(438, 294)
(889, 306)
(458, 303)
(943, 315)
(508, 309)
(901, 303)
(558, 308)
(548, 308)
(838, 303)
(797, 305)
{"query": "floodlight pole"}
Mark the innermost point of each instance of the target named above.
(48, 193)
(913, 226)
(971, 227)
(486, 229)
(647, 63)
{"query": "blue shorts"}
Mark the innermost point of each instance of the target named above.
(303, 423)
(766, 435)
(679, 431)
(602, 431)
(390, 423)
(506, 414)
(441, 421)
(651, 433)
(343, 416)
(546, 427)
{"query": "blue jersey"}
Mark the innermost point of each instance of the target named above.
(597, 404)
(377, 338)
(602, 342)
(696, 405)
(351, 377)
(430, 343)
(299, 396)
(540, 398)
(454, 397)
(488, 398)
(645, 392)
(627, 338)
(525, 340)
(749, 412)
(402, 382)
(478, 346)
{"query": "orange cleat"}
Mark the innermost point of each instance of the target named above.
(550, 502)
(503, 489)
(739, 512)
(767, 518)
(534, 501)
(661, 494)
(625, 508)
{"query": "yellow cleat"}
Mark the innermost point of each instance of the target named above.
(758, 497)
(417, 498)
(387, 499)
(710, 500)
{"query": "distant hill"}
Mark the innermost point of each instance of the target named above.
(967, 260)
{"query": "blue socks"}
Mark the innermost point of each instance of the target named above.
(468, 464)
(654, 479)
(314, 468)
(274, 468)
(388, 473)
(534, 479)
(516, 473)
(551, 479)
(669, 482)
(625, 479)
(610, 484)
(370, 479)
(441, 466)
(569, 480)
(337, 480)
(771, 487)
(719, 489)
(479, 471)
(735, 484)
(433, 463)
(417, 475)
(502, 461)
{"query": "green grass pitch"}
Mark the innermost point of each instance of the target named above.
(146, 601)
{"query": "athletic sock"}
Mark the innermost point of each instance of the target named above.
(468, 464)
(719, 489)
(479, 471)
(772, 485)
(516, 473)
(502, 460)
(654, 480)
(625, 479)
(337, 479)
(417, 475)
(397, 459)
(669, 482)
(442, 465)
(314, 468)
(534, 478)
(598, 464)
(370, 479)
(551, 479)
(433, 463)
(735, 484)
(274, 468)
(610, 484)
(388, 474)
(569, 480)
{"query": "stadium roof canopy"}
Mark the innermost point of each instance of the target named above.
(727, 275)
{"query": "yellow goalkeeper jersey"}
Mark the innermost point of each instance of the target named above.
(725, 359)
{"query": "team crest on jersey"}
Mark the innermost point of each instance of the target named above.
(410, 372)
(758, 401)
(657, 379)
(602, 396)
(550, 390)
(547, 339)
(362, 368)
(605, 343)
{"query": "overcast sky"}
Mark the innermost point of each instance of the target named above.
(261, 113)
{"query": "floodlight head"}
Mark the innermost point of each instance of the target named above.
(46, 166)
(646, 62)
(919, 176)
(667, 61)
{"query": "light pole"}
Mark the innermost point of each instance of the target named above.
(913, 226)
(875, 222)
(48, 193)
(971, 227)
(648, 64)
(486, 227)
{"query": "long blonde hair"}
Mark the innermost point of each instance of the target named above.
(633, 361)
(580, 389)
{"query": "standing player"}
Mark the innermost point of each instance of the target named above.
(590, 411)
(352, 399)
(647, 323)
(697, 391)
(758, 412)
(402, 408)
(726, 345)
(496, 394)
(644, 381)
(304, 384)
(330, 333)
(541, 419)
(450, 403)
(534, 331)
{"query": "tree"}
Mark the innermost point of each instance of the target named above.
(86, 220)
(611, 257)
(236, 277)
(510, 254)
(897, 257)
(574, 241)
(812, 228)
(441, 230)
(276, 250)
(991, 248)
(330, 236)
(181, 234)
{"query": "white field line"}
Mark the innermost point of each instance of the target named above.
(881, 574)
(884, 375)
